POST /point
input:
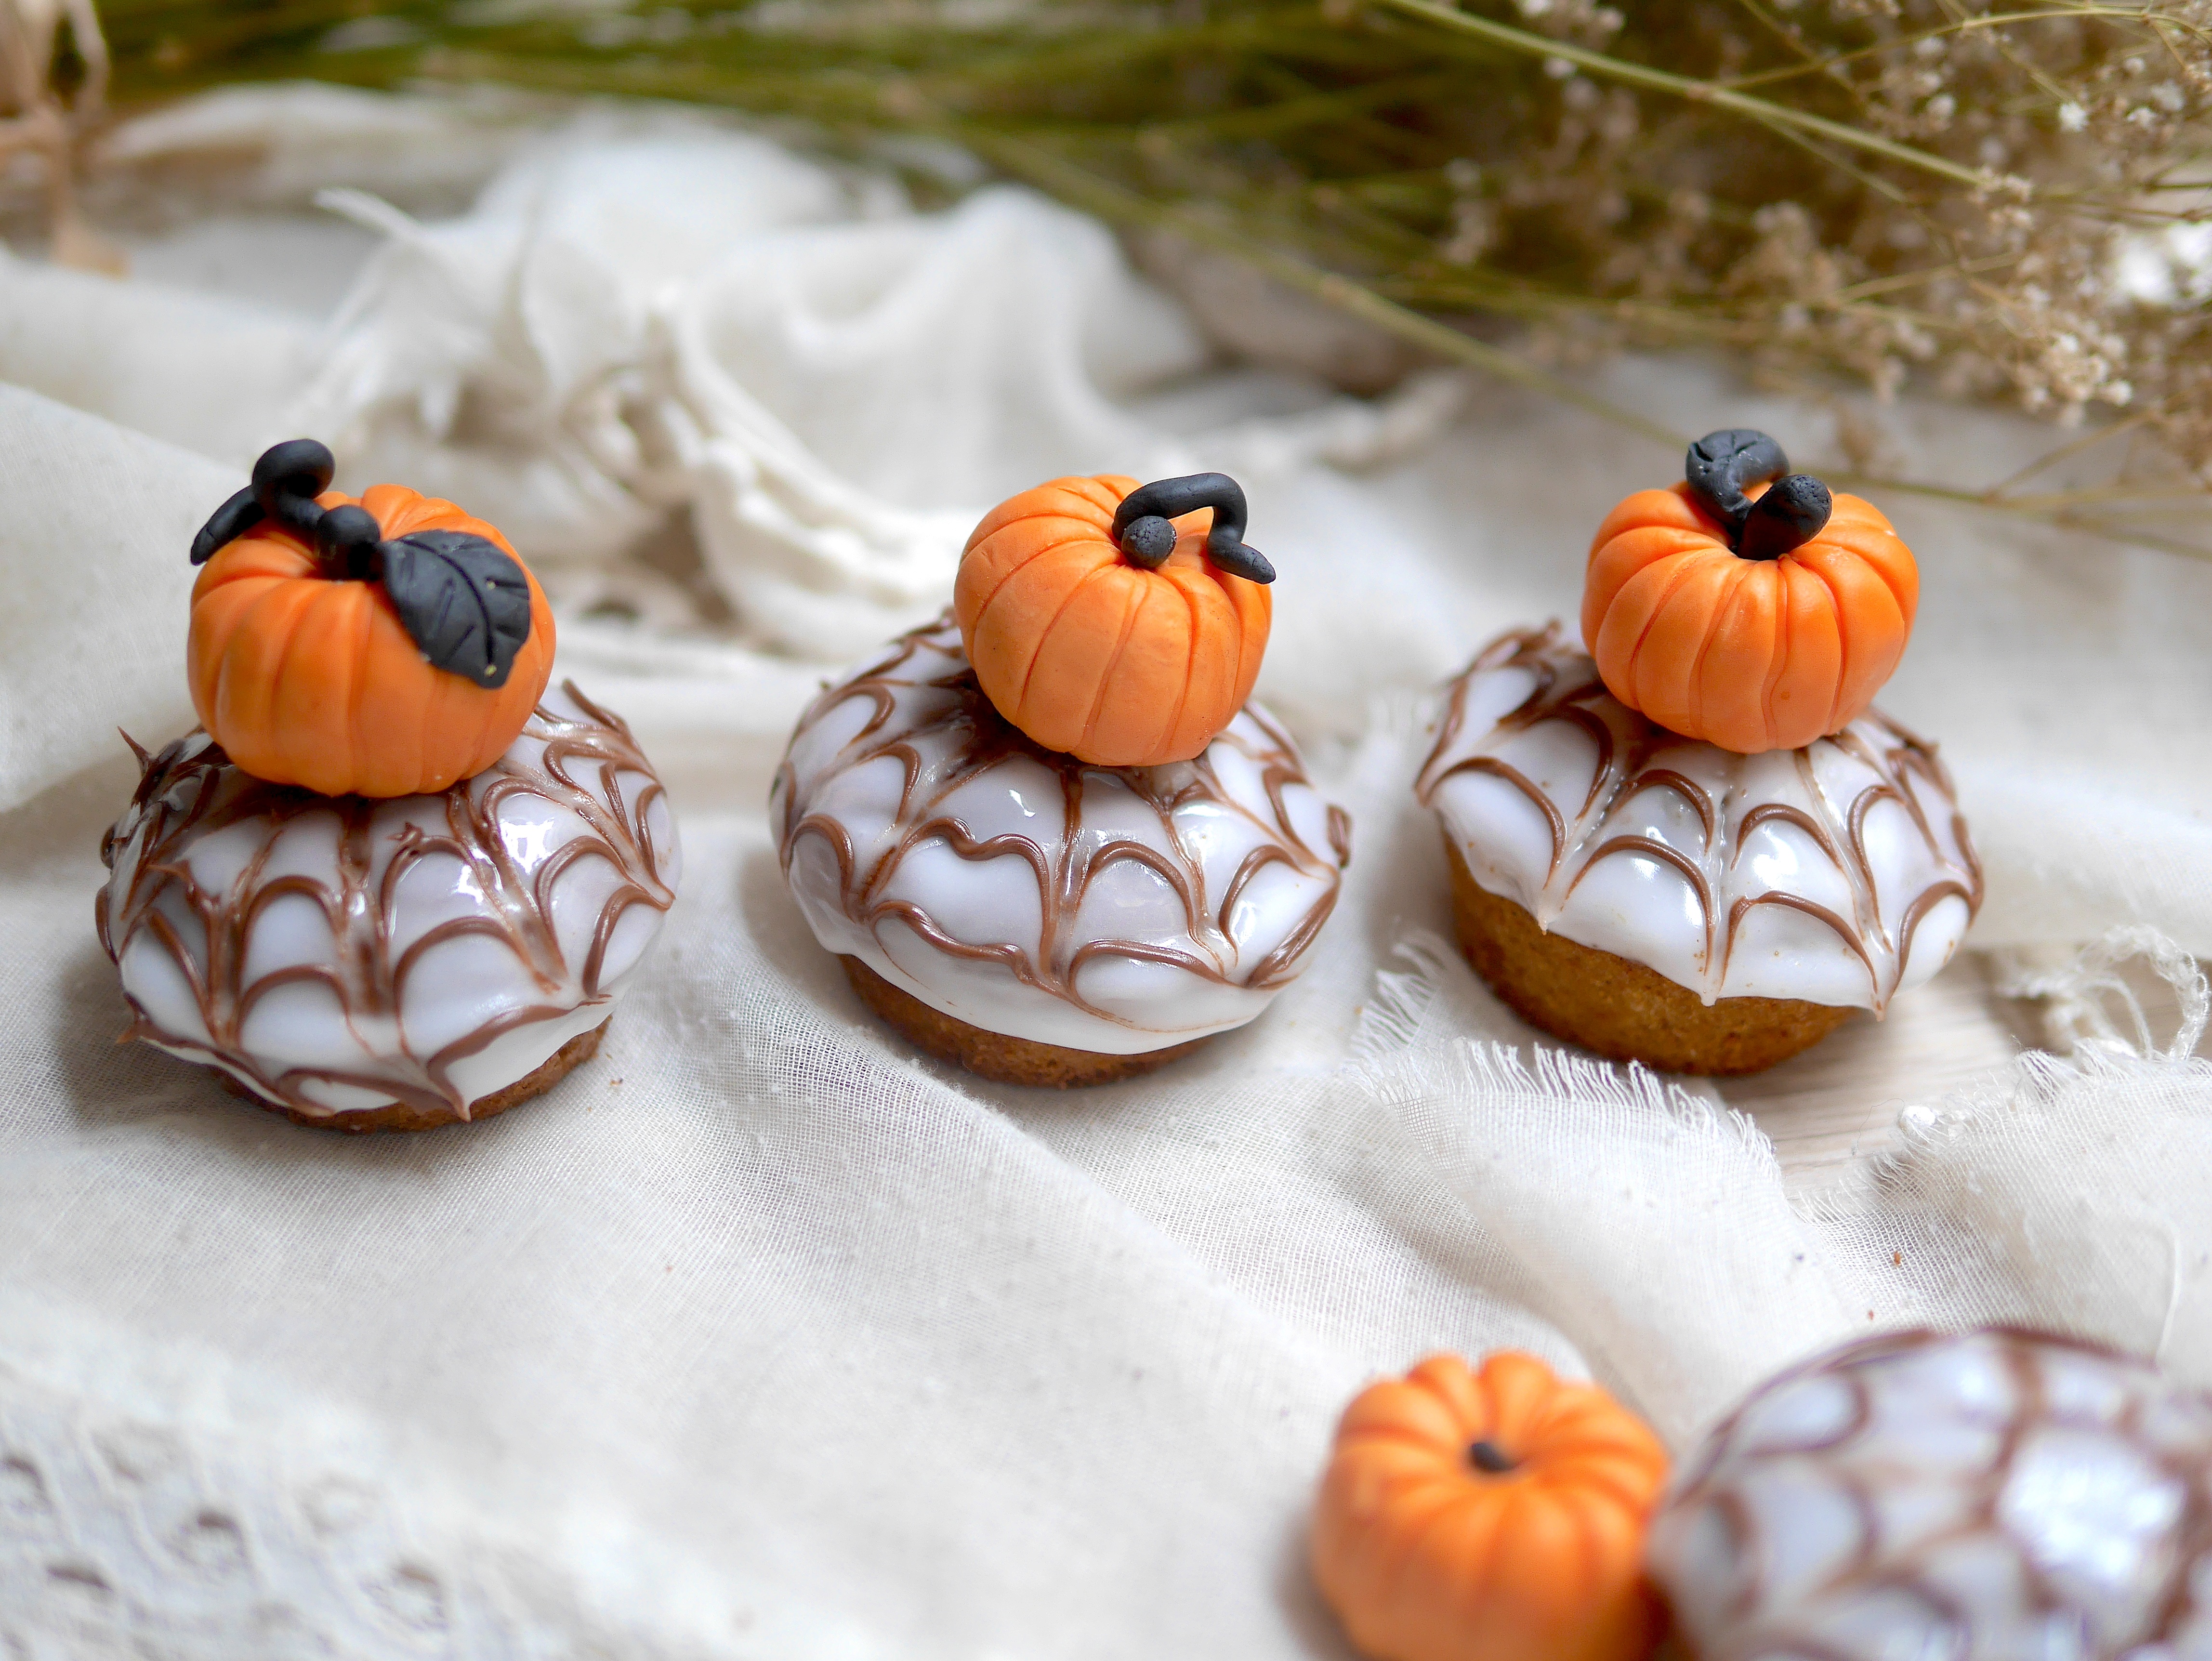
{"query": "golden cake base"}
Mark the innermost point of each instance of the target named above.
(400, 1116)
(1619, 1008)
(994, 1055)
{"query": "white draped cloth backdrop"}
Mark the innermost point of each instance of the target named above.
(760, 1335)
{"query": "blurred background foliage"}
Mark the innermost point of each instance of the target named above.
(1988, 199)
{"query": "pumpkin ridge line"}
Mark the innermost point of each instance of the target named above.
(1131, 611)
(357, 679)
(1043, 634)
(1779, 666)
(1031, 518)
(1629, 1488)
(1013, 571)
(1499, 1502)
(1835, 720)
(1578, 1507)
(1583, 1459)
(1698, 690)
(1260, 594)
(1884, 552)
(218, 669)
(1189, 663)
(427, 727)
(1436, 1497)
(275, 679)
(1680, 559)
(1403, 1436)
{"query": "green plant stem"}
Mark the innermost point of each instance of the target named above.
(2088, 440)
(2054, 512)
(1776, 116)
(1296, 166)
(1957, 25)
(1109, 201)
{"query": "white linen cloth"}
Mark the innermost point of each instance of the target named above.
(760, 1335)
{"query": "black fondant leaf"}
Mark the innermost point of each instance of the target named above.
(462, 601)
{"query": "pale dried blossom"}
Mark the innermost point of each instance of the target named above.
(2077, 129)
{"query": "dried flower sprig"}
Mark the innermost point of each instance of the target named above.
(1997, 198)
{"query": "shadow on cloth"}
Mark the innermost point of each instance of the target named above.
(108, 1078)
(779, 927)
(1317, 1628)
(780, 930)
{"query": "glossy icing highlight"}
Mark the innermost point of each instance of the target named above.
(1840, 873)
(338, 953)
(1981, 1495)
(1117, 910)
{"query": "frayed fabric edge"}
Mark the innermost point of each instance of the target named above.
(1391, 1023)
(2075, 994)
(2034, 1084)
(1388, 1056)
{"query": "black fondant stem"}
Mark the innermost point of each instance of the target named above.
(463, 600)
(1142, 532)
(1486, 1456)
(1720, 470)
(1794, 510)
(1721, 466)
(228, 522)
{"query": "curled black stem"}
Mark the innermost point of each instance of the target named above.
(351, 544)
(287, 479)
(463, 600)
(1720, 470)
(1142, 532)
(1794, 510)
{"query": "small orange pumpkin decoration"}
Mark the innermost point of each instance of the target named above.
(1496, 1516)
(1754, 619)
(382, 649)
(1105, 623)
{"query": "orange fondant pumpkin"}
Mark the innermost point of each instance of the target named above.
(1114, 622)
(306, 675)
(1496, 1516)
(1755, 618)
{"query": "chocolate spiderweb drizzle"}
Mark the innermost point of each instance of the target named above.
(1895, 1550)
(1629, 751)
(190, 790)
(971, 738)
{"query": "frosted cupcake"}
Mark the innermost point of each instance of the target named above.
(1694, 844)
(1047, 835)
(392, 882)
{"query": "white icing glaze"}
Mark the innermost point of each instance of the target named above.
(1840, 873)
(335, 954)
(1115, 911)
(1989, 1496)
